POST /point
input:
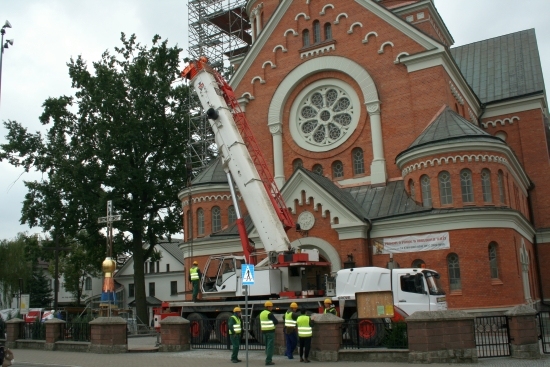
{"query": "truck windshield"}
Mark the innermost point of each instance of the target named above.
(434, 284)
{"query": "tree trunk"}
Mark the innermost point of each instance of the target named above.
(139, 279)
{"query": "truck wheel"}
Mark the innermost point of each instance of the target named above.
(366, 331)
(222, 328)
(200, 328)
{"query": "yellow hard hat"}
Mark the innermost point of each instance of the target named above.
(237, 309)
(268, 304)
(195, 263)
(328, 300)
(293, 305)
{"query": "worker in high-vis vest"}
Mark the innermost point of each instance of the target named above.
(194, 278)
(290, 331)
(329, 307)
(267, 323)
(235, 332)
(305, 332)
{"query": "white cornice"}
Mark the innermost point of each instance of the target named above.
(516, 105)
(514, 166)
(437, 222)
(441, 57)
(203, 189)
(543, 235)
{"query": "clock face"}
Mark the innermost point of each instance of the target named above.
(306, 220)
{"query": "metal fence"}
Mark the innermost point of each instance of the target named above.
(543, 320)
(214, 334)
(2, 329)
(34, 331)
(374, 333)
(76, 331)
(492, 336)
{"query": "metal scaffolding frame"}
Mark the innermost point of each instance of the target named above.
(219, 30)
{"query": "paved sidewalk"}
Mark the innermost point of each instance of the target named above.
(208, 358)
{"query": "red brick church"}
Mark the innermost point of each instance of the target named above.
(383, 138)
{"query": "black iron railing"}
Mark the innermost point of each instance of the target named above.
(2, 329)
(374, 333)
(543, 318)
(76, 331)
(492, 336)
(213, 334)
(34, 331)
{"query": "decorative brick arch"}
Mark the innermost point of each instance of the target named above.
(327, 63)
(325, 249)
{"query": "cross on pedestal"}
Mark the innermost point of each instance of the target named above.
(109, 219)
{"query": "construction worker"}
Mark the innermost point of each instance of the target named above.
(305, 332)
(291, 333)
(194, 278)
(234, 326)
(268, 322)
(329, 307)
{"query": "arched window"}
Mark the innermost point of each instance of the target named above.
(486, 185)
(411, 189)
(426, 191)
(328, 31)
(318, 169)
(454, 272)
(216, 219)
(316, 32)
(305, 37)
(88, 285)
(501, 187)
(297, 163)
(231, 214)
(418, 263)
(337, 169)
(200, 222)
(493, 262)
(358, 161)
(445, 192)
(466, 186)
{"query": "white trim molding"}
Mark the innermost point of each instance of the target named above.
(387, 43)
(323, 12)
(504, 121)
(337, 20)
(306, 17)
(358, 24)
(366, 39)
(318, 51)
(294, 33)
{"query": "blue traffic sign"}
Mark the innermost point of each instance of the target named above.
(247, 274)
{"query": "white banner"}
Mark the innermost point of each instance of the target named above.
(25, 300)
(416, 243)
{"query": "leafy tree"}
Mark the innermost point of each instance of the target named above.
(122, 137)
(40, 292)
(18, 255)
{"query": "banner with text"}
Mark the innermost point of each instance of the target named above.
(423, 242)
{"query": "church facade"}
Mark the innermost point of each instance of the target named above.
(392, 148)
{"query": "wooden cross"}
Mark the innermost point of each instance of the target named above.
(109, 219)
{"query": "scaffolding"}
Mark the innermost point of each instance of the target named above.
(219, 30)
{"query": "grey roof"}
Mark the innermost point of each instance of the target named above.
(502, 67)
(212, 174)
(385, 201)
(342, 196)
(173, 249)
(149, 300)
(448, 126)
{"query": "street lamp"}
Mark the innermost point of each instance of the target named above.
(2, 47)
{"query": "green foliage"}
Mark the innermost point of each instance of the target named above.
(122, 137)
(22, 252)
(40, 292)
(396, 336)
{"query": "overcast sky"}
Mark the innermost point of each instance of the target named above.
(47, 33)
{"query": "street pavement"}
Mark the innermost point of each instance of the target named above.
(207, 358)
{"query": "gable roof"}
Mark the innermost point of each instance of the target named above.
(173, 249)
(502, 67)
(449, 126)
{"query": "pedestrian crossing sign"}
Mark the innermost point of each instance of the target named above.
(248, 274)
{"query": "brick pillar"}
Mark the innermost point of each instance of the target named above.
(441, 337)
(524, 342)
(14, 331)
(175, 334)
(327, 337)
(53, 333)
(109, 335)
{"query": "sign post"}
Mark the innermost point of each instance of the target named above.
(247, 275)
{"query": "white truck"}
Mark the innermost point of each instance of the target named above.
(286, 274)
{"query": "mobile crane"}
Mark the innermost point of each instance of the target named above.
(280, 275)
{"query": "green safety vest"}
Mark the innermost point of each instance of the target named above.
(266, 323)
(236, 326)
(194, 272)
(331, 310)
(289, 321)
(304, 330)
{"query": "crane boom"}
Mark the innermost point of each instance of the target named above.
(242, 156)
